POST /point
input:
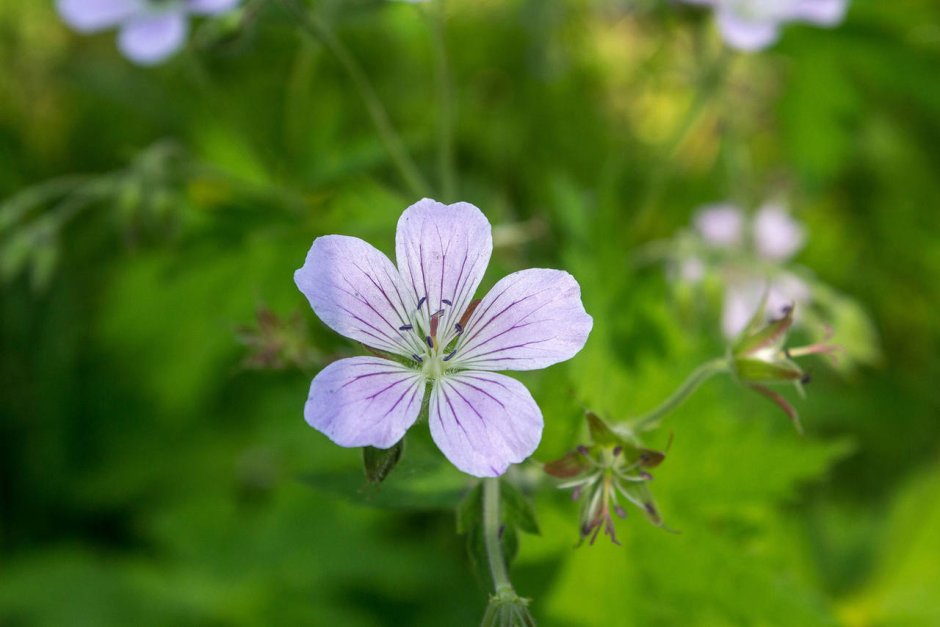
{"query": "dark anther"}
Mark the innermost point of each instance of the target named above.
(646, 476)
(583, 450)
(502, 529)
(620, 511)
(429, 341)
(806, 378)
(416, 358)
(421, 302)
(459, 328)
(452, 353)
(617, 450)
(446, 302)
(405, 327)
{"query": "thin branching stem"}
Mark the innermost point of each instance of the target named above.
(316, 28)
(701, 374)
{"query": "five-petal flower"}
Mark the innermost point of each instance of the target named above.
(149, 30)
(424, 313)
(751, 25)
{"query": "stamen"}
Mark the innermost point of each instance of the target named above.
(617, 450)
(416, 358)
(435, 320)
(421, 302)
(446, 302)
(429, 341)
(806, 378)
(462, 323)
(405, 327)
(452, 353)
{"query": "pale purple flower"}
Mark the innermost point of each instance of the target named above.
(773, 236)
(423, 314)
(149, 31)
(777, 236)
(755, 24)
(720, 225)
(743, 297)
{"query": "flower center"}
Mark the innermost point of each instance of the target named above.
(435, 347)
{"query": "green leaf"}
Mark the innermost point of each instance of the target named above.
(379, 462)
(516, 510)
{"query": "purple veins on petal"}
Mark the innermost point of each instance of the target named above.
(483, 422)
(442, 252)
(364, 401)
(530, 319)
(355, 290)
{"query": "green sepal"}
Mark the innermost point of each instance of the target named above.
(571, 465)
(379, 462)
(600, 432)
(771, 334)
(759, 371)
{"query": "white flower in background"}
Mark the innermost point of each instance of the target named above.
(765, 242)
(751, 25)
(149, 31)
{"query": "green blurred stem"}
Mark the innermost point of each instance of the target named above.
(704, 372)
(494, 553)
(320, 31)
(445, 98)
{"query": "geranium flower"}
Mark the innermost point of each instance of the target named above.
(149, 31)
(755, 24)
(439, 339)
(767, 241)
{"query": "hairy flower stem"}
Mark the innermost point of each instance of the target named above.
(318, 30)
(651, 420)
(494, 553)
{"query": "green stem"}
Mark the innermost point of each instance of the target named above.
(445, 98)
(704, 372)
(316, 28)
(494, 552)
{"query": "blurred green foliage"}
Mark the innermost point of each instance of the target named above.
(149, 478)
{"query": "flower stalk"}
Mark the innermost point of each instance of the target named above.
(491, 525)
(651, 420)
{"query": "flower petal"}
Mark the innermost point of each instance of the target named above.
(483, 421)
(442, 252)
(88, 16)
(150, 39)
(746, 34)
(210, 7)
(777, 236)
(364, 401)
(530, 319)
(743, 297)
(357, 292)
(720, 225)
(821, 12)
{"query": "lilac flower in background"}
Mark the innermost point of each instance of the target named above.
(751, 25)
(424, 313)
(149, 31)
(774, 237)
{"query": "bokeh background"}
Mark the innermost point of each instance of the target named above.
(155, 355)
